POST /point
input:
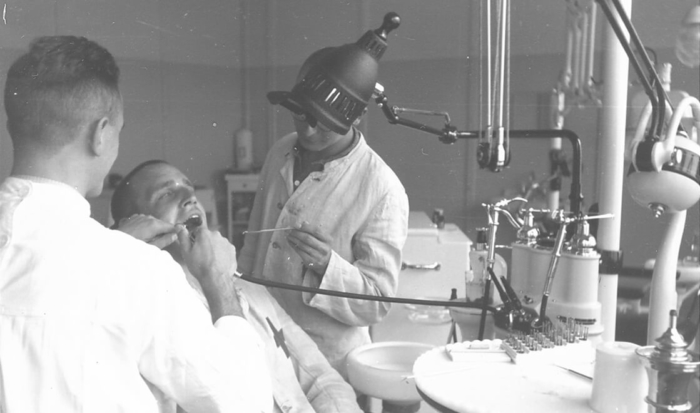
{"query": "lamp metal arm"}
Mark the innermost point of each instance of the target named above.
(653, 87)
(449, 135)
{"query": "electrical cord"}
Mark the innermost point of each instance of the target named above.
(356, 296)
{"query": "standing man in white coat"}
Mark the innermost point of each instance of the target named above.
(91, 319)
(347, 208)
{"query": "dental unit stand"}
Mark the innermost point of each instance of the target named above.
(664, 174)
(662, 294)
(574, 297)
(511, 303)
(682, 194)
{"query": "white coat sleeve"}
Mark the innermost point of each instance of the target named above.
(203, 367)
(374, 271)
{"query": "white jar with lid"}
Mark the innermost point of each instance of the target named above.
(244, 149)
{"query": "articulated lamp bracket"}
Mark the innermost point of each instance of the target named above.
(649, 154)
(449, 135)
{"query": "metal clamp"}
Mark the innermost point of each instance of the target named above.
(610, 262)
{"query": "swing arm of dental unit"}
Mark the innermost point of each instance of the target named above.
(665, 173)
(449, 135)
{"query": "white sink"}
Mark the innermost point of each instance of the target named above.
(381, 370)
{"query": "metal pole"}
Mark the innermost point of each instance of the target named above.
(611, 154)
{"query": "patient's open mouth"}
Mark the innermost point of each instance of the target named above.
(193, 222)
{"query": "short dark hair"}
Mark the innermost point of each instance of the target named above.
(123, 201)
(61, 82)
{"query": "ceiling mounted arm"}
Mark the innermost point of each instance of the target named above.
(640, 61)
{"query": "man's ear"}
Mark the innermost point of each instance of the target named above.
(359, 118)
(98, 137)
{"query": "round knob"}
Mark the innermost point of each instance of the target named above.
(391, 22)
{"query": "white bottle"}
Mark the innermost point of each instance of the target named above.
(244, 149)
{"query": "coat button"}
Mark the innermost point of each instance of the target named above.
(4, 240)
(280, 205)
(275, 245)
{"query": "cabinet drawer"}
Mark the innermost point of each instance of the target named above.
(242, 183)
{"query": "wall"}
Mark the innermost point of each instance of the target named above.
(193, 73)
(432, 64)
(183, 113)
(447, 176)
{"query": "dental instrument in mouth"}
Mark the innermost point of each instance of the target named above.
(267, 230)
(193, 222)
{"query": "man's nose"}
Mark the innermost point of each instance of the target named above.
(189, 198)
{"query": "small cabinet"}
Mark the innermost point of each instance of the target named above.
(241, 189)
(434, 262)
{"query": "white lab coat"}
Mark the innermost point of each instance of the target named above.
(361, 204)
(90, 318)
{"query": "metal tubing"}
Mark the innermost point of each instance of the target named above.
(591, 44)
(551, 271)
(502, 63)
(658, 96)
(584, 47)
(568, 70)
(355, 296)
(490, 261)
(576, 197)
(624, 43)
(576, 64)
(663, 297)
(489, 119)
(449, 135)
(661, 97)
(611, 155)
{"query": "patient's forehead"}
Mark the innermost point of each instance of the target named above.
(153, 177)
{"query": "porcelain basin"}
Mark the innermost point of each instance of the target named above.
(380, 370)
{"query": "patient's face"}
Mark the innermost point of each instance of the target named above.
(164, 192)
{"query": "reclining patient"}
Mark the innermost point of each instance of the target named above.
(302, 379)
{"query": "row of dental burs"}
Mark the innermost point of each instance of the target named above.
(550, 336)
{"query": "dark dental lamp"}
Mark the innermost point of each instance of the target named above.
(338, 82)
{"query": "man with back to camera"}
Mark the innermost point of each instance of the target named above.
(91, 319)
(303, 380)
(347, 208)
